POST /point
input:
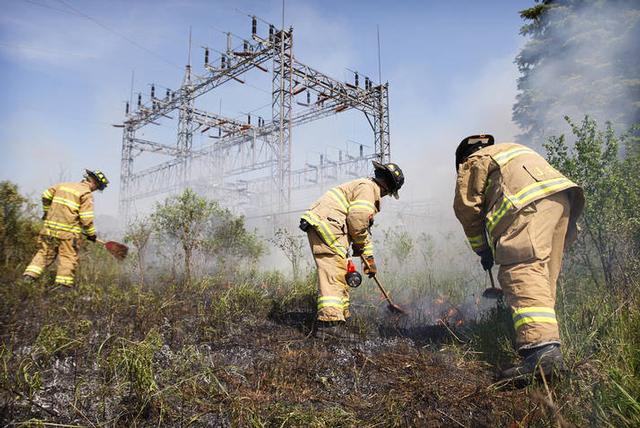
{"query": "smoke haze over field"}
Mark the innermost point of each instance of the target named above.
(582, 58)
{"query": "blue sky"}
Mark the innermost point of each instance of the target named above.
(66, 68)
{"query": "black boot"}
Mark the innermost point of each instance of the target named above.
(547, 358)
(331, 330)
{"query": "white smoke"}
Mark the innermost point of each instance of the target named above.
(589, 65)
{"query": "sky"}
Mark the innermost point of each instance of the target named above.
(66, 68)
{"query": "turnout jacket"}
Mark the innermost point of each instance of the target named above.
(497, 181)
(342, 215)
(68, 210)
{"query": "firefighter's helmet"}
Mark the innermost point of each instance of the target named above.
(97, 176)
(391, 174)
(470, 145)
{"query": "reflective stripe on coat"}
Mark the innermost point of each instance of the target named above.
(341, 216)
(496, 182)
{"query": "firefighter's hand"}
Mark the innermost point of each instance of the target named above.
(486, 259)
(370, 268)
(357, 250)
(92, 238)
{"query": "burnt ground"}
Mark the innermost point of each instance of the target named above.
(235, 357)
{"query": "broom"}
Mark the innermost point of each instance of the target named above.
(117, 250)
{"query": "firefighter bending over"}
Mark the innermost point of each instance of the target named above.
(68, 213)
(340, 218)
(518, 210)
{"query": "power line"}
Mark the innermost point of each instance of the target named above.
(109, 29)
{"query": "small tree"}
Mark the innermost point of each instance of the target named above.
(292, 247)
(185, 218)
(138, 235)
(18, 225)
(610, 243)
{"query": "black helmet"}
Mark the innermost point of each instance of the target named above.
(471, 144)
(391, 174)
(98, 176)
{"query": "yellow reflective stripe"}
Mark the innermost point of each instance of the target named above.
(46, 207)
(330, 301)
(361, 203)
(525, 195)
(542, 188)
(65, 280)
(90, 231)
(533, 309)
(61, 226)
(476, 241)
(368, 250)
(337, 194)
(503, 158)
(70, 190)
(47, 194)
(71, 204)
(34, 269)
(543, 319)
(325, 233)
(533, 314)
(86, 214)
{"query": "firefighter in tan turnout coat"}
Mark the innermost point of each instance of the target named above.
(68, 214)
(339, 219)
(518, 210)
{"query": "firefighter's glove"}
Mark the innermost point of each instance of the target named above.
(44, 216)
(486, 259)
(370, 268)
(357, 250)
(92, 238)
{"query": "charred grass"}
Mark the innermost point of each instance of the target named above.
(228, 354)
(239, 353)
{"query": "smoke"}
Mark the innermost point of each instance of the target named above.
(585, 61)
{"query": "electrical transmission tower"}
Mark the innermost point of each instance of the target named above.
(247, 163)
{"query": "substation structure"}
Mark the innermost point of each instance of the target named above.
(247, 166)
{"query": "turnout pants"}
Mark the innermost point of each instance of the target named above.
(530, 253)
(48, 248)
(333, 291)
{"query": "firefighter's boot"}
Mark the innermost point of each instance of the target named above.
(332, 330)
(546, 358)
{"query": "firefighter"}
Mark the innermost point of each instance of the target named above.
(519, 212)
(341, 218)
(68, 214)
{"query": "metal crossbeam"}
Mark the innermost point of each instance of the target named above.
(257, 156)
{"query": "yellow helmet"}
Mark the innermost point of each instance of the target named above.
(99, 177)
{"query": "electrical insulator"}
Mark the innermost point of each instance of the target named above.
(153, 91)
(321, 160)
(308, 97)
(249, 119)
(367, 83)
(167, 94)
(126, 108)
(271, 30)
(245, 46)
(357, 79)
(361, 150)
(223, 62)
(206, 56)
(254, 25)
(139, 100)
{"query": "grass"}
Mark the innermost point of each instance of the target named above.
(237, 354)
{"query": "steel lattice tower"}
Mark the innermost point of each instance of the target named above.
(262, 149)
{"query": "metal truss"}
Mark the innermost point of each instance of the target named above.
(248, 165)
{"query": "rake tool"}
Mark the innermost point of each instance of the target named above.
(117, 250)
(392, 307)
